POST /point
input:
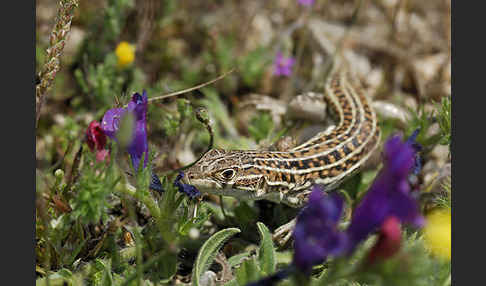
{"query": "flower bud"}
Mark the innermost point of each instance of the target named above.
(59, 173)
(194, 233)
(388, 242)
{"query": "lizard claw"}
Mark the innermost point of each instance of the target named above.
(284, 233)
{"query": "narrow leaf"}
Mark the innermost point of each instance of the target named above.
(208, 251)
(248, 272)
(237, 259)
(233, 282)
(266, 254)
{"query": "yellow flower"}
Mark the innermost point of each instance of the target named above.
(125, 54)
(437, 233)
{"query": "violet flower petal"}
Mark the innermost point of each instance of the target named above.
(417, 147)
(155, 183)
(306, 2)
(111, 121)
(190, 190)
(389, 194)
(316, 234)
(283, 66)
(139, 144)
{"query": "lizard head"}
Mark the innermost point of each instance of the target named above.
(222, 172)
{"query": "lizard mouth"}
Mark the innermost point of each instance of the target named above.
(212, 187)
(203, 185)
(215, 188)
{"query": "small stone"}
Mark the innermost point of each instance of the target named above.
(308, 106)
(208, 279)
(261, 32)
(391, 111)
(443, 174)
(410, 102)
(440, 153)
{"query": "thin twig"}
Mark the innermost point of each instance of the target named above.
(192, 88)
(74, 174)
(146, 19)
(204, 121)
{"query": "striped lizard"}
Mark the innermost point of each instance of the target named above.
(286, 176)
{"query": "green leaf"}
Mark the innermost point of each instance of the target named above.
(170, 124)
(237, 259)
(444, 118)
(248, 272)
(209, 250)
(107, 278)
(184, 107)
(219, 111)
(233, 282)
(252, 66)
(53, 281)
(72, 254)
(187, 224)
(167, 266)
(260, 126)
(246, 215)
(266, 254)
(284, 257)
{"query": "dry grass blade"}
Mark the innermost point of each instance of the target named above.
(192, 88)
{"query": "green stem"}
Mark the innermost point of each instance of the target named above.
(143, 268)
(147, 201)
(222, 207)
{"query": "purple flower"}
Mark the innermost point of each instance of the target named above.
(316, 234)
(412, 140)
(389, 194)
(111, 121)
(138, 145)
(283, 66)
(155, 183)
(307, 3)
(187, 189)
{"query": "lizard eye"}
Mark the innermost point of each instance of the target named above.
(228, 174)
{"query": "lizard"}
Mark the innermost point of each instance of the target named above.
(328, 158)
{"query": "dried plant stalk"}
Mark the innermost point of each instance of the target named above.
(146, 18)
(56, 46)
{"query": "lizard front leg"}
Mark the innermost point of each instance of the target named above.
(284, 233)
(309, 106)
